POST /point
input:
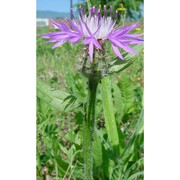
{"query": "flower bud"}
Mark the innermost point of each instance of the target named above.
(98, 67)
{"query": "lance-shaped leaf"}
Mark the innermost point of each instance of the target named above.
(108, 109)
(55, 98)
(118, 65)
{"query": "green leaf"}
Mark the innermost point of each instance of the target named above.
(71, 101)
(118, 102)
(100, 134)
(127, 91)
(110, 121)
(54, 98)
(43, 108)
(117, 174)
(119, 65)
(135, 175)
(138, 163)
(71, 163)
(97, 150)
(138, 130)
(108, 164)
(138, 48)
(89, 3)
(77, 90)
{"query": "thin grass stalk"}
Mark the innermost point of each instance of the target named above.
(88, 129)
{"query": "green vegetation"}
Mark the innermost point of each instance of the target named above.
(61, 94)
(132, 8)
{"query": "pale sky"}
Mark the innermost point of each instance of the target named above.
(54, 5)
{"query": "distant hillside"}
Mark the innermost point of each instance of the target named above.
(52, 14)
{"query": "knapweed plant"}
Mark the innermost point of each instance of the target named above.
(96, 31)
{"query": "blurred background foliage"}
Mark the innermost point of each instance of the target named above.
(133, 9)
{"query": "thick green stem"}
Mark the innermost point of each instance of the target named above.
(88, 128)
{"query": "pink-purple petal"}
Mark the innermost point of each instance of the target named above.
(87, 40)
(136, 42)
(116, 50)
(74, 39)
(91, 50)
(58, 44)
(49, 35)
(74, 27)
(50, 41)
(83, 28)
(87, 28)
(133, 35)
(123, 46)
(56, 24)
(96, 43)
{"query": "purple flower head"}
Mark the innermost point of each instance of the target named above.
(93, 28)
